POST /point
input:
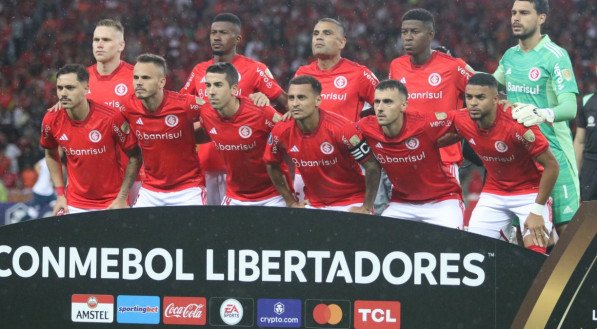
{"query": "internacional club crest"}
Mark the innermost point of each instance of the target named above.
(412, 143)
(95, 136)
(326, 148)
(534, 74)
(121, 89)
(245, 131)
(434, 79)
(501, 146)
(171, 120)
(340, 82)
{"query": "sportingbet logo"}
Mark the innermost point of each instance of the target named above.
(138, 309)
(92, 308)
(185, 310)
(369, 314)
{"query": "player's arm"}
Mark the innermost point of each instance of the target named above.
(362, 154)
(55, 168)
(279, 180)
(530, 115)
(130, 174)
(579, 145)
(534, 222)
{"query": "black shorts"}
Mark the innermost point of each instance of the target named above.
(588, 180)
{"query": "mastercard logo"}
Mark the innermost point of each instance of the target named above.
(327, 314)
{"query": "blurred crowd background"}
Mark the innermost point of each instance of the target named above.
(38, 37)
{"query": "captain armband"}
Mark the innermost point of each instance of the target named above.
(361, 151)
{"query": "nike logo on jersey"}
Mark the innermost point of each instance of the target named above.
(294, 149)
(378, 145)
(139, 122)
(213, 131)
(472, 142)
(63, 137)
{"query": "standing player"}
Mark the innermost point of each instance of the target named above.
(521, 170)
(163, 123)
(239, 131)
(325, 148)
(538, 72)
(406, 146)
(585, 146)
(90, 134)
(435, 80)
(255, 82)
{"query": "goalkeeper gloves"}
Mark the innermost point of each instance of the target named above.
(530, 115)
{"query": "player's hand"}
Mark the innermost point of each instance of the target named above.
(505, 104)
(259, 99)
(57, 107)
(361, 210)
(118, 203)
(538, 233)
(297, 204)
(287, 116)
(530, 115)
(60, 207)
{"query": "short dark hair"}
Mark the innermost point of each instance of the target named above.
(484, 80)
(158, 60)
(225, 68)
(333, 21)
(419, 14)
(227, 17)
(109, 22)
(541, 6)
(392, 84)
(78, 69)
(307, 80)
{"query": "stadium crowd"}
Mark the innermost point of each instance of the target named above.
(39, 37)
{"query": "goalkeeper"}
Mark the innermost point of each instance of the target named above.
(539, 72)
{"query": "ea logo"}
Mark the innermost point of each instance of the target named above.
(95, 136)
(501, 146)
(92, 302)
(245, 131)
(340, 82)
(121, 89)
(171, 120)
(534, 74)
(231, 311)
(434, 79)
(327, 314)
(326, 148)
(412, 143)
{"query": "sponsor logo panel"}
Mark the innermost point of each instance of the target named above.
(229, 311)
(184, 310)
(321, 313)
(279, 313)
(138, 309)
(92, 308)
(370, 314)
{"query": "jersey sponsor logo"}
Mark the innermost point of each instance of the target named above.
(333, 96)
(156, 136)
(95, 136)
(63, 137)
(245, 131)
(434, 79)
(171, 120)
(559, 74)
(340, 82)
(113, 103)
(326, 148)
(529, 135)
(231, 311)
(371, 314)
(441, 123)
(90, 151)
(139, 122)
(315, 163)
(92, 308)
(412, 143)
(125, 128)
(406, 159)
(465, 71)
(522, 88)
(294, 149)
(534, 74)
(213, 131)
(265, 75)
(121, 89)
(184, 310)
(441, 115)
(486, 158)
(426, 95)
(501, 146)
(371, 77)
(235, 147)
(354, 140)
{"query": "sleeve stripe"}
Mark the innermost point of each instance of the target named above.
(557, 52)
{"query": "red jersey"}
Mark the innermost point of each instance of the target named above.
(332, 177)
(166, 138)
(253, 77)
(507, 150)
(436, 86)
(111, 89)
(411, 159)
(346, 87)
(241, 140)
(90, 146)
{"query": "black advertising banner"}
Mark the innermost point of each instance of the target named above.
(255, 268)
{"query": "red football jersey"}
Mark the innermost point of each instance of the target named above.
(436, 86)
(346, 87)
(111, 89)
(91, 148)
(507, 150)
(411, 159)
(241, 140)
(254, 77)
(167, 141)
(332, 177)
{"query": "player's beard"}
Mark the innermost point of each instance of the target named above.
(526, 34)
(218, 53)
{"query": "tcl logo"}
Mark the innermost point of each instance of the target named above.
(370, 314)
(184, 310)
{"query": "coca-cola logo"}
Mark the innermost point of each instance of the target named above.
(184, 310)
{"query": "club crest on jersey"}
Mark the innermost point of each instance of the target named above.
(340, 82)
(245, 131)
(534, 74)
(326, 148)
(501, 146)
(171, 120)
(529, 135)
(441, 115)
(412, 143)
(95, 136)
(121, 89)
(434, 79)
